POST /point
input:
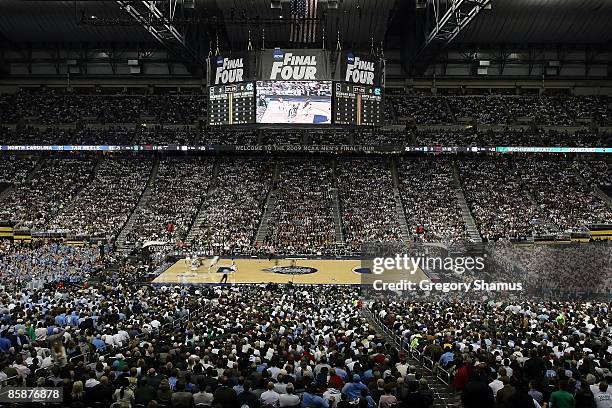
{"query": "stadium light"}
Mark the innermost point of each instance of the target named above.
(331, 4)
(278, 4)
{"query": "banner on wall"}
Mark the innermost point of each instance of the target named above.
(361, 69)
(230, 68)
(293, 65)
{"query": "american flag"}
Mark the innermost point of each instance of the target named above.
(303, 25)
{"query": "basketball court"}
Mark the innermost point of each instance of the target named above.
(299, 271)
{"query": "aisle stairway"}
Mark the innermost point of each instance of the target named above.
(466, 213)
(399, 206)
(194, 230)
(72, 202)
(121, 238)
(4, 193)
(444, 397)
(336, 206)
(595, 190)
(260, 236)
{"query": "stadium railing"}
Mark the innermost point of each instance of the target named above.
(404, 345)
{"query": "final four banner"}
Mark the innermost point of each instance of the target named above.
(361, 69)
(294, 65)
(230, 68)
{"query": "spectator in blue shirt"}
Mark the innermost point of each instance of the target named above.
(5, 343)
(98, 343)
(311, 400)
(446, 358)
(353, 389)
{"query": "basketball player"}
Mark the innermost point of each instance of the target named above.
(307, 105)
(232, 268)
(281, 107)
(213, 262)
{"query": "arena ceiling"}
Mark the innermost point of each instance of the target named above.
(60, 21)
(542, 21)
(358, 23)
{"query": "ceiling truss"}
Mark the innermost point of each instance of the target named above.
(161, 26)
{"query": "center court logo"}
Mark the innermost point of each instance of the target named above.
(362, 270)
(292, 270)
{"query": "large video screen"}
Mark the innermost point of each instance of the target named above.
(304, 102)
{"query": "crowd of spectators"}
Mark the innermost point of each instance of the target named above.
(160, 135)
(508, 197)
(520, 352)
(529, 196)
(380, 137)
(542, 110)
(429, 200)
(367, 202)
(255, 346)
(56, 106)
(283, 137)
(14, 170)
(494, 193)
(333, 137)
(302, 221)
(177, 193)
(229, 137)
(53, 187)
(105, 204)
(50, 106)
(555, 271)
(34, 264)
(110, 340)
(565, 202)
(597, 173)
(422, 110)
(232, 213)
(576, 138)
(180, 135)
(486, 110)
(511, 137)
(596, 109)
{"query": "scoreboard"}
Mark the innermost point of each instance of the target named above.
(351, 104)
(231, 104)
(358, 104)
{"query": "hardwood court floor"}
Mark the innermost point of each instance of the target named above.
(325, 272)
